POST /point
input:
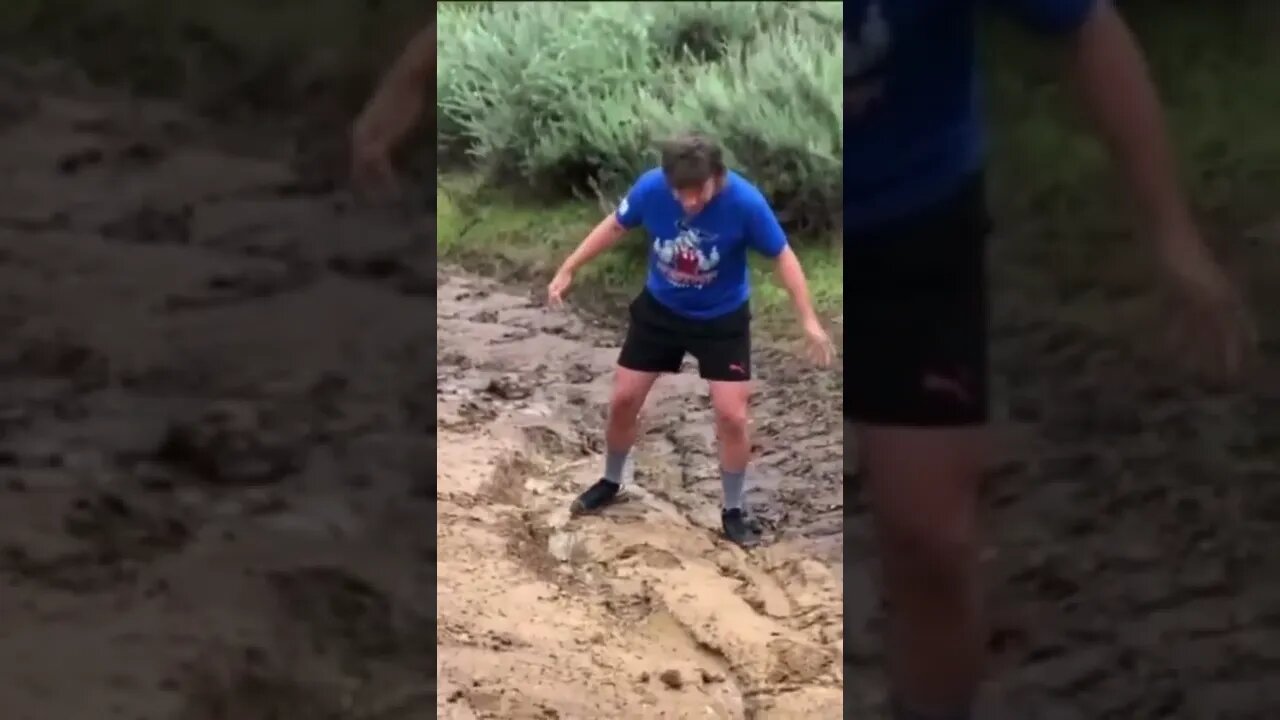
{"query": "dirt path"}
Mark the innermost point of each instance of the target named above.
(644, 611)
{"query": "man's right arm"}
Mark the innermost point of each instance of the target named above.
(394, 110)
(611, 229)
(417, 64)
(604, 236)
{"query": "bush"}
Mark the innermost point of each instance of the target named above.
(574, 96)
(227, 59)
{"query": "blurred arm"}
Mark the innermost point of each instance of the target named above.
(417, 63)
(394, 109)
(1110, 74)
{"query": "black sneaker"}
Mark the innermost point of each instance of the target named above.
(595, 497)
(739, 528)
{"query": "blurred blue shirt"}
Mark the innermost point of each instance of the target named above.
(914, 127)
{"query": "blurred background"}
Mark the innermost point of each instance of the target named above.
(1134, 516)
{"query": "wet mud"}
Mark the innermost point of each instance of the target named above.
(642, 611)
(216, 450)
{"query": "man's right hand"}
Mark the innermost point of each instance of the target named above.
(558, 287)
(390, 115)
(392, 112)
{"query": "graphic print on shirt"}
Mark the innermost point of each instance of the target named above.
(864, 54)
(685, 260)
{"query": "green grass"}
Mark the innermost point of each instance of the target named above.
(497, 231)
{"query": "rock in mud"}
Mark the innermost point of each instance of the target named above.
(509, 388)
(672, 679)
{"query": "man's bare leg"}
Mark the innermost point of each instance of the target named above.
(630, 389)
(923, 485)
(731, 403)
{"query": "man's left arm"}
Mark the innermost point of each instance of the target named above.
(1111, 78)
(791, 278)
(1110, 75)
(1108, 72)
(767, 237)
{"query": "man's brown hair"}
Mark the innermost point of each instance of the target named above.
(690, 159)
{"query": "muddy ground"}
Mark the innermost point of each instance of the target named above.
(216, 449)
(217, 481)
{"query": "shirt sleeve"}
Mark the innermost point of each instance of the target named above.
(630, 212)
(764, 234)
(1049, 17)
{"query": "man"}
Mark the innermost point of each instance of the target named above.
(915, 298)
(702, 220)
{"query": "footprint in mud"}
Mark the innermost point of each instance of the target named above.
(246, 684)
(77, 160)
(138, 153)
(222, 290)
(57, 357)
(234, 445)
(799, 664)
(551, 443)
(346, 614)
(151, 226)
(650, 556)
(470, 414)
(106, 537)
(509, 387)
(455, 360)
(409, 277)
(580, 374)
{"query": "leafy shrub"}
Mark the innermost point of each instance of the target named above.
(574, 96)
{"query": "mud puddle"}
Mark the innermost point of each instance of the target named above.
(642, 611)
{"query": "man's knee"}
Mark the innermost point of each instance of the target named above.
(940, 552)
(625, 401)
(731, 419)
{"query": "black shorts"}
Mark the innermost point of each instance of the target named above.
(916, 316)
(657, 340)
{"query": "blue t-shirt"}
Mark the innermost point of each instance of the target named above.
(913, 125)
(698, 265)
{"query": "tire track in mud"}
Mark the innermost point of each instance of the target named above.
(697, 628)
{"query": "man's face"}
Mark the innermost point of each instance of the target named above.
(693, 199)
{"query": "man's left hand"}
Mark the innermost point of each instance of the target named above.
(818, 345)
